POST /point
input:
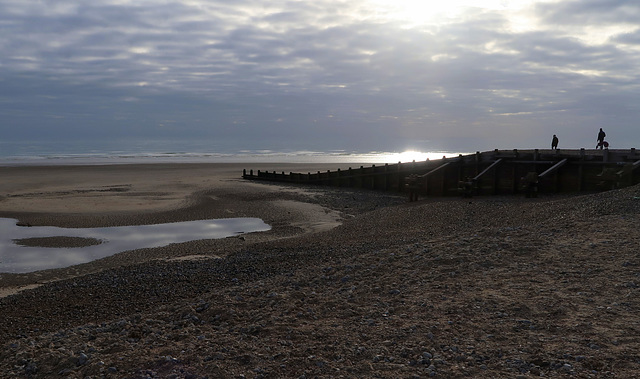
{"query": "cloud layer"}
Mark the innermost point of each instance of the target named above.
(330, 74)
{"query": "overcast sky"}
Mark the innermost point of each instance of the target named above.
(366, 75)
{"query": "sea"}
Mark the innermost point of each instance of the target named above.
(14, 259)
(50, 153)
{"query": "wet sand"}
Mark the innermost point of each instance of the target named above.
(120, 195)
(122, 188)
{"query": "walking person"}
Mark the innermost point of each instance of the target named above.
(601, 136)
(554, 142)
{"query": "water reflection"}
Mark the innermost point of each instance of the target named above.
(17, 259)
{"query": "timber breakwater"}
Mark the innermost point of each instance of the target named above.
(496, 172)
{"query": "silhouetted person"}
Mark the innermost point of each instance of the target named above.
(554, 142)
(601, 136)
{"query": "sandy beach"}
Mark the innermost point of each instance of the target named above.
(347, 283)
(120, 195)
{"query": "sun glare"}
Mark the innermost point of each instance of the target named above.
(409, 156)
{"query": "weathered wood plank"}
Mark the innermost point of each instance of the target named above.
(554, 168)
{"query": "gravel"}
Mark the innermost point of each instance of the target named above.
(494, 287)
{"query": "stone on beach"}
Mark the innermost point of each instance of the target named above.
(499, 287)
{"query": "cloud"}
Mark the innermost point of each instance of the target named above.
(590, 12)
(336, 73)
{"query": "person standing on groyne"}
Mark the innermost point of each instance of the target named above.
(601, 136)
(554, 142)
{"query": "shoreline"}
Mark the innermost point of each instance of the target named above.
(153, 182)
(141, 194)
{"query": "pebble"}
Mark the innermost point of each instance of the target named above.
(231, 310)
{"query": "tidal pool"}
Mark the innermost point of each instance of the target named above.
(16, 258)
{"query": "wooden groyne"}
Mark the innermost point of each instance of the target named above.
(484, 173)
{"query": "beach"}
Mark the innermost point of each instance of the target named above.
(120, 195)
(346, 283)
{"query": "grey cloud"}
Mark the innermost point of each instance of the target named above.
(595, 12)
(629, 38)
(296, 72)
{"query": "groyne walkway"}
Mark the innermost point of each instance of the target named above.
(484, 173)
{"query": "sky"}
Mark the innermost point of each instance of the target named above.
(323, 75)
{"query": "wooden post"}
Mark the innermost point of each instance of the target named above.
(496, 180)
(426, 186)
(514, 178)
(581, 170)
(460, 167)
(460, 170)
(444, 179)
(386, 177)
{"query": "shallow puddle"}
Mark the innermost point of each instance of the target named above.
(102, 242)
